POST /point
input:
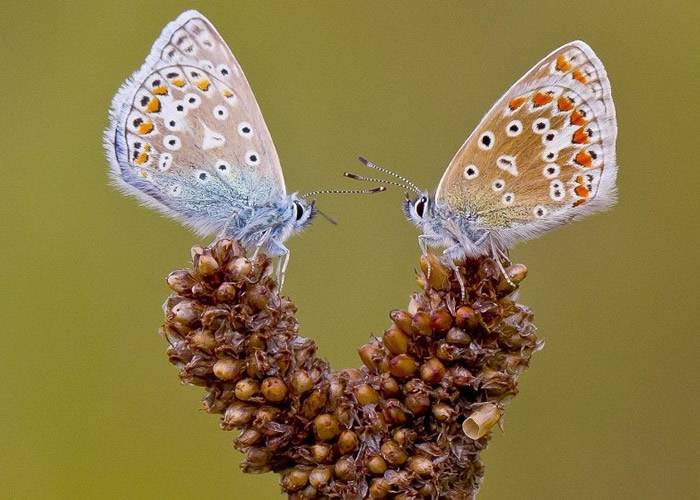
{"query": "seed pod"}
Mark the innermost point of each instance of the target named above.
(395, 340)
(366, 395)
(393, 453)
(403, 366)
(248, 438)
(228, 369)
(404, 437)
(394, 413)
(186, 312)
(320, 452)
(418, 403)
(441, 320)
(370, 355)
(432, 371)
(379, 488)
(481, 420)
(258, 296)
(345, 469)
(466, 318)
(313, 403)
(246, 389)
(226, 292)
(320, 476)
(295, 479)
(239, 268)
(181, 282)
(326, 427)
(427, 490)
(206, 265)
(435, 271)
(460, 376)
(442, 412)
(237, 414)
(448, 352)
(274, 389)
(389, 386)
(402, 320)
(516, 273)
(203, 340)
(301, 382)
(421, 465)
(376, 465)
(421, 323)
(347, 442)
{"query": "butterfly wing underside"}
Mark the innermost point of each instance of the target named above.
(545, 152)
(186, 134)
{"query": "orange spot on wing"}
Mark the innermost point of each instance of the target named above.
(145, 128)
(581, 191)
(579, 202)
(227, 93)
(516, 102)
(564, 104)
(160, 90)
(580, 136)
(153, 105)
(178, 82)
(577, 118)
(540, 99)
(584, 159)
(562, 64)
(141, 159)
(577, 75)
(203, 85)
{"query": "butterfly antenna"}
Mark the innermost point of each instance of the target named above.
(377, 189)
(374, 166)
(327, 217)
(357, 177)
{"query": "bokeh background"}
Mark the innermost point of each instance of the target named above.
(89, 406)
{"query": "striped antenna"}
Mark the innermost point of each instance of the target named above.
(374, 166)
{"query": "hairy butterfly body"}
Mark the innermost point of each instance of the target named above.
(187, 137)
(542, 156)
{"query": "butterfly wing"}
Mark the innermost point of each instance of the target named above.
(186, 135)
(543, 155)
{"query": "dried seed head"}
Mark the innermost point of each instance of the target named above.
(432, 371)
(246, 389)
(313, 403)
(186, 312)
(481, 420)
(228, 369)
(181, 281)
(421, 323)
(441, 320)
(458, 336)
(326, 427)
(402, 320)
(393, 412)
(379, 488)
(248, 438)
(203, 340)
(226, 292)
(237, 414)
(403, 366)
(376, 465)
(274, 389)
(258, 296)
(347, 442)
(301, 382)
(345, 469)
(516, 273)
(389, 386)
(320, 452)
(421, 465)
(206, 265)
(320, 476)
(393, 453)
(437, 274)
(418, 403)
(370, 356)
(396, 341)
(404, 437)
(239, 268)
(295, 479)
(466, 318)
(442, 412)
(366, 395)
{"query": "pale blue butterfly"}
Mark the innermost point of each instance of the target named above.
(187, 137)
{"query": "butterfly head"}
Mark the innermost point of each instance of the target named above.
(302, 212)
(419, 209)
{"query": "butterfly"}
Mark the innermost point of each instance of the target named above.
(544, 155)
(186, 137)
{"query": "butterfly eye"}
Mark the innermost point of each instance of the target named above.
(420, 207)
(298, 210)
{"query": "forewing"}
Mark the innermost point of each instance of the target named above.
(545, 152)
(186, 133)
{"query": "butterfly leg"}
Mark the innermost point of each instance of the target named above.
(451, 253)
(496, 254)
(424, 243)
(282, 265)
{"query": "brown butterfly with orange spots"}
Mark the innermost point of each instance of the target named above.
(542, 156)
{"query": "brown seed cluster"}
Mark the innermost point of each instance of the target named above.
(409, 424)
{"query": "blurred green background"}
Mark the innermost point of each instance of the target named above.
(89, 405)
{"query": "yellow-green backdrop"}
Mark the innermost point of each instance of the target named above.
(89, 406)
